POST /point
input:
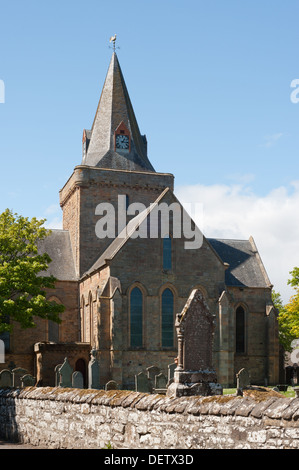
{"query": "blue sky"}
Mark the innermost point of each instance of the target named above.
(210, 85)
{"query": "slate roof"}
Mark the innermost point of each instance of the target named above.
(245, 266)
(58, 247)
(115, 107)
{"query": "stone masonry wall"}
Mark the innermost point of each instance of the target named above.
(73, 418)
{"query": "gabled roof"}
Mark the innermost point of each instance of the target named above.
(124, 236)
(58, 246)
(245, 266)
(113, 109)
(133, 225)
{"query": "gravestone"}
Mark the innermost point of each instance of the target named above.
(77, 379)
(65, 373)
(152, 371)
(93, 371)
(57, 375)
(6, 378)
(111, 385)
(195, 374)
(171, 368)
(243, 380)
(17, 374)
(160, 383)
(28, 380)
(142, 383)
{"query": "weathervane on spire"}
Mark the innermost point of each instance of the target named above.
(113, 40)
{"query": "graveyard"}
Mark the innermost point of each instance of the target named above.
(192, 375)
(185, 408)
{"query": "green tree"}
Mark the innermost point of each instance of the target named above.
(285, 336)
(288, 318)
(294, 281)
(22, 285)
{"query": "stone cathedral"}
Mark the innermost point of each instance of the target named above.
(122, 292)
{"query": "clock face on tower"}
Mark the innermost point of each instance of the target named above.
(122, 142)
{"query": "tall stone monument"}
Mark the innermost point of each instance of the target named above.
(195, 374)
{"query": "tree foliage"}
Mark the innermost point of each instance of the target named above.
(22, 285)
(288, 318)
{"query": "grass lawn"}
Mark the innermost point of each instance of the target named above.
(289, 393)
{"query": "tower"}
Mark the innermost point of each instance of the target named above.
(114, 163)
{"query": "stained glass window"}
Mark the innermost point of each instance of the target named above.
(240, 330)
(167, 319)
(167, 253)
(136, 313)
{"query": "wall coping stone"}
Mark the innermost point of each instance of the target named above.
(220, 405)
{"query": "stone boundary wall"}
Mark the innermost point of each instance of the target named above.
(87, 419)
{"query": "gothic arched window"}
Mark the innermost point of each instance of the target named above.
(240, 330)
(136, 318)
(82, 320)
(53, 327)
(167, 318)
(53, 331)
(167, 261)
(90, 302)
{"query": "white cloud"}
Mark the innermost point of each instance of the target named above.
(234, 211)
(270, 140)
(54, 223)
(53, 209)
(53, 216)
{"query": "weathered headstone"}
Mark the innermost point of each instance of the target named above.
(17, 374)
(57, 375)
(93, 371)
(142, 383)
(195, 374)
(6, 378)
(171, 369)
(152, 371)
(111, 385)
(77, 379)
(243, 380)
(28, 380)
(160, 382)
(65, 373)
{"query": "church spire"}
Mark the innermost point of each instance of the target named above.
(114, 140)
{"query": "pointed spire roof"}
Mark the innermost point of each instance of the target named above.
(115, 114)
